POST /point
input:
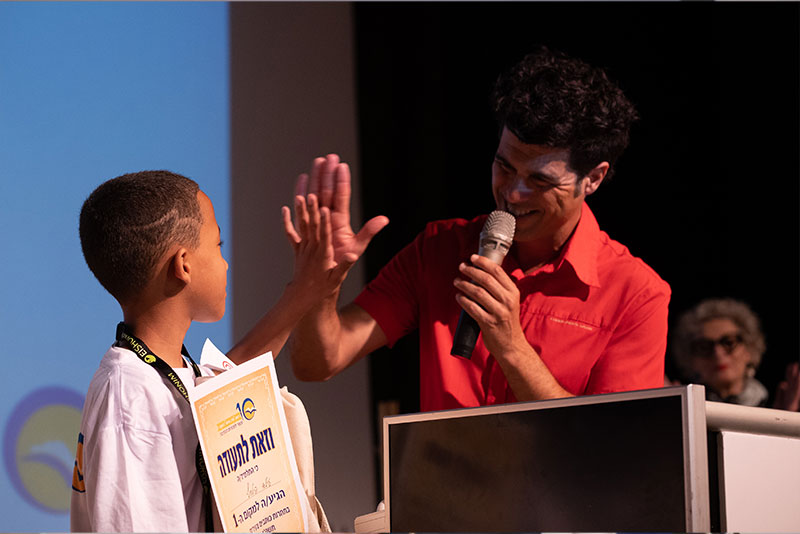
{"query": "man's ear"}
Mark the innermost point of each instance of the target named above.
(595, 178)
(180, 266)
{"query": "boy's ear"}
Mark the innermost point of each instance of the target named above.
(180, 266)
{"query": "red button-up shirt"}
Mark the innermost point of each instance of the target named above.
(596, 315)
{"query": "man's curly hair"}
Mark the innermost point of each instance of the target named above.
(554, 100)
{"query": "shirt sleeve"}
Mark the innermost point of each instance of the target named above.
(130, 474)
(392, 298)
(634, 356)
(132, 482)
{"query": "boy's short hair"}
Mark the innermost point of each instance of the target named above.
(129, 222)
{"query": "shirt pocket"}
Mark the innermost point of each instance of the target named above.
(568, 345)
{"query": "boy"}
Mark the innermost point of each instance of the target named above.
(152, 241)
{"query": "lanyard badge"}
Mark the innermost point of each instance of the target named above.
(137, 346)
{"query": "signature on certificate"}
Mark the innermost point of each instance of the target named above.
(254, 489)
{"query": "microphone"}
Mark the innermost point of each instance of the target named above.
(496, 238)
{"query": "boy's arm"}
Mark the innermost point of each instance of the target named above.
(316, 275)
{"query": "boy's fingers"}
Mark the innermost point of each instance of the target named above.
(325, 231)
(301, 215)
(288, 227)
(314, 217)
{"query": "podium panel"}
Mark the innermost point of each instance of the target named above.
(760, 482)
(605, 463)
(756, 455)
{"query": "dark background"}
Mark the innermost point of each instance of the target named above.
(706, 194)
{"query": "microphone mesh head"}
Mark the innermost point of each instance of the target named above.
(497, 236)
(500, 225)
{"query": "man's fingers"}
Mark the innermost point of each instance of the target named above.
(495, 270)
(340, 201)
(301, 186)
(486, 280)
(326, 180)
(478, 295)
(317, 167)
(472, 308)
(346, 262)
(369, 230)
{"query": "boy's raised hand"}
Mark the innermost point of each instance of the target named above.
(329, 180)
(317, 275)
(317, 272)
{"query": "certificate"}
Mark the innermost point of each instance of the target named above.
(248, 452)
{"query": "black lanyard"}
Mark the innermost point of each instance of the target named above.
(137, 346)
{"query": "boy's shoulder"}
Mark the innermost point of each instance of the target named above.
(126, 391)
(120, 369)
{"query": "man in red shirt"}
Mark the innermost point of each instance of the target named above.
(569, 312)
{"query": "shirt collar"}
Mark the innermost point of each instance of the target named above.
(579, 252)
(581, 249)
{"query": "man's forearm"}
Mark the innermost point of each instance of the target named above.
(528, 376)
(315, 342)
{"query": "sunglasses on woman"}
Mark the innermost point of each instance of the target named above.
(704, 347)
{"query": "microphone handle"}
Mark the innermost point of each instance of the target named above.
(466, 336)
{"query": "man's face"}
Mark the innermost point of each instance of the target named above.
(536, 184)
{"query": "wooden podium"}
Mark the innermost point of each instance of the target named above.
(660, 460)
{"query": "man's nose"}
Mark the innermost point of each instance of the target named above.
(518, 190)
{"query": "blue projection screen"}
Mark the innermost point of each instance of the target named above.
(88, 91)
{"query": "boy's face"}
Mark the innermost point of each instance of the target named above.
(210, 276)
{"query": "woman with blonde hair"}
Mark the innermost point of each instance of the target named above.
(719, 343)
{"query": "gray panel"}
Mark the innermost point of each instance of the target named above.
(603, 463)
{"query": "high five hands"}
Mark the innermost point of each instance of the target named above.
(329, 179)
(324, 233)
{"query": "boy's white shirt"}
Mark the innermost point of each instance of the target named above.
(138, 461)
(140, 441)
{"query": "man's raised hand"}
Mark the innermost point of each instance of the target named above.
(329, 181)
